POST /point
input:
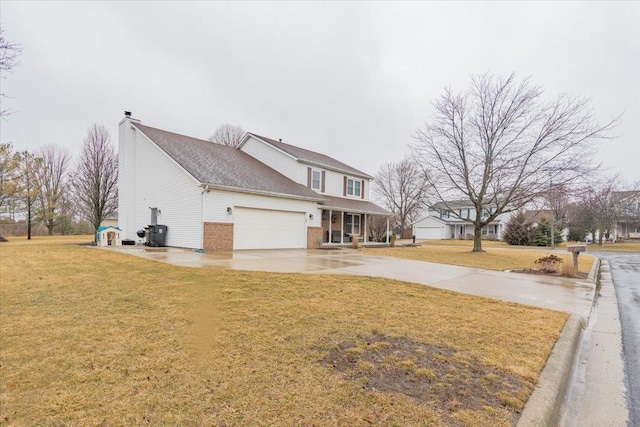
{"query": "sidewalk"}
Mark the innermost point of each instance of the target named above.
(597, 396)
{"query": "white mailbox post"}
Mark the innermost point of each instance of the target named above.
(576, 249)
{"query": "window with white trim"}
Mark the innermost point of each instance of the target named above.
(353, 187)
(352, 224)
(315, 180)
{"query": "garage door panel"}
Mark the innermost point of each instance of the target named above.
(268, 229)
(430, 233)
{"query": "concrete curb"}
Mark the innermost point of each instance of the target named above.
(593, 273)
(544, 405)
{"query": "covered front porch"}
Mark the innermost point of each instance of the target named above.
(344, 220)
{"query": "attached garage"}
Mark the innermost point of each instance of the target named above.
(428, 233)
(268, 229)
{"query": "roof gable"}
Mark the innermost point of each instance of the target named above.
(311, 157)
(219, 165)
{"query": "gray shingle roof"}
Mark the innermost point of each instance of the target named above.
(219, 165)
(354, 205)
(311, 157)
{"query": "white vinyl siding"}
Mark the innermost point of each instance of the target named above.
(161, 183)
(268, 229)
(273, 158)
(428, 233)
(216, 203)
(151, 179)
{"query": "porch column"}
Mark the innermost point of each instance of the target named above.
(364, 231)
(387, 229)
(342, 228)
(330, 235)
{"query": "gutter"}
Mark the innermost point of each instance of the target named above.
(262, 193)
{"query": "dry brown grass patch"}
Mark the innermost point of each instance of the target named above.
(92, 336)
(493, 258)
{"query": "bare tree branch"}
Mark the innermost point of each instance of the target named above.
(402, 188)
(228, 135)
(9, 53)
(52, 182)
(498, 143)
(95, 181)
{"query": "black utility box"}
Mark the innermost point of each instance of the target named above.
(157, 235)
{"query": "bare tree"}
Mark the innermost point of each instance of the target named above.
(403, 189)
(377, 227)
(9, 173)
(52, 183)
(95, 181)
(228, 135)
(28, 187)
(606, 204)
(9, 53)
(498, 144)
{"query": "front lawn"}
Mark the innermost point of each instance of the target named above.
(94, 337)
(494, 258)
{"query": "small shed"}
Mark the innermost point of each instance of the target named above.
(108, 236)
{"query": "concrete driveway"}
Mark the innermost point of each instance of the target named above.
(569, 295)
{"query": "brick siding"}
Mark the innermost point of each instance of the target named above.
(218, 236)
(313, 234)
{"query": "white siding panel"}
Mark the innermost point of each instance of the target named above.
(272, 158)
(216, 203)
(161, 183)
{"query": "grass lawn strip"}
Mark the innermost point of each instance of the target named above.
(96, 337)
(493, 257)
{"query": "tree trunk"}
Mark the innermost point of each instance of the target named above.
(600, 236)
(477, 239)
(28, 218)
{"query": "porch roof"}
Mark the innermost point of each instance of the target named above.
(355, 206)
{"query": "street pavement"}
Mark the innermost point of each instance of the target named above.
(625, 269)
(598, 394)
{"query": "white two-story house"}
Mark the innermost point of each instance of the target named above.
(266, 194)
(454, 220)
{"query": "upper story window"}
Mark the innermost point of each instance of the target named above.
(353, 187)
(315, 180)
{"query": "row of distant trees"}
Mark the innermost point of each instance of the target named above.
(500, 144)
(47, 187)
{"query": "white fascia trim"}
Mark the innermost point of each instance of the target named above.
(270, 145)
(261, 193)
(343, 209)
(197, 181)
(350, 173)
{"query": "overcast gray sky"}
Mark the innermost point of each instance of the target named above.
(352, 80)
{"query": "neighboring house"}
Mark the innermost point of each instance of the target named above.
(453, 220)
(263, 195)
(627, 223)
(110, 221)
(534, 215)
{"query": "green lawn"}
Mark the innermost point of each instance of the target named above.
(94, 337)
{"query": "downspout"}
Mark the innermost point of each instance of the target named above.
(204, 190)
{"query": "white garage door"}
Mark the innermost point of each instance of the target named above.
(429, 233)
(267, 229)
